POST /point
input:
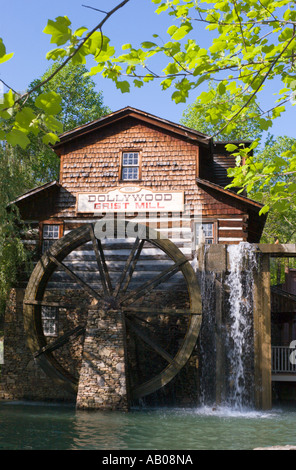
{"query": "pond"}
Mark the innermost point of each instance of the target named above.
(38, 426)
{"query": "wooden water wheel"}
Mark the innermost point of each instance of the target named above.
(181, 312)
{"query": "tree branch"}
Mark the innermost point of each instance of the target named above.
(96, 9)
(258, 87)
(96, 28)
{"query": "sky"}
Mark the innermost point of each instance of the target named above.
(21, 26)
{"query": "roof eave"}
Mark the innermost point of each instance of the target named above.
(227, 192)
(35, 191)
(183, 131)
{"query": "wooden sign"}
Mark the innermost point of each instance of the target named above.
(131, 199)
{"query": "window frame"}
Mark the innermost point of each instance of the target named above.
(138, 166)
(204, 222)
(51, 320)
(42, 225)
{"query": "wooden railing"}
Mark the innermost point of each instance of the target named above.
(283, 360)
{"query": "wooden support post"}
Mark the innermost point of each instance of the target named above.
(220, 341)
(262, 335)
(214, 261)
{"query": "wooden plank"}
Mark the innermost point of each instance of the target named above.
(274, 250)
(262, 335)
(231, 233)
(44, 303)
(160, 311)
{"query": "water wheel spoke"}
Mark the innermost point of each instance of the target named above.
(159, 311)
(61, 340)
(133, 266)
(44, 303)
(101, 262)
(148, 340)
(150, 285)
(129, 267)
(76, 278)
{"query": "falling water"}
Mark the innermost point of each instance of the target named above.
(242, 261)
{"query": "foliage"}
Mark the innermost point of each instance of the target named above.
(241, 45)
(80, 103)
(281, 222)
(12, 253)
(207, 117)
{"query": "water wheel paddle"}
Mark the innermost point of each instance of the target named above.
(134, 301)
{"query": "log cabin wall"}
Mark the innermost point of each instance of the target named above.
(166, 162)
(169, 159)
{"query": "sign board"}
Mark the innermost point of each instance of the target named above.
(131, 199)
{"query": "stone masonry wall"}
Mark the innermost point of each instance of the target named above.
(21, 378)
(102, 383)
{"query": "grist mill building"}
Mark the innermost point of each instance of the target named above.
(111, 313)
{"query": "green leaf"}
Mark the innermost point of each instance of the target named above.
(231, 147)
(6, 57)
(79, 32)
(49, 102)
(265, 124)
(16, 137)
(59, 30)
(123, 86)
(148, 45)
(55, 54)
(7, 100)
(264, 210)
(3, 56)
(50, 139)
(53, 124)
(24, 119)
(138, 83)
(286, 34)
(182, 31)
(172, 29)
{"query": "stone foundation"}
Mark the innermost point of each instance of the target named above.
(98, 359)
(102, 383)
(21, 378)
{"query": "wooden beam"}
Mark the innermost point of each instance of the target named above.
(286, 250)
(262, 335)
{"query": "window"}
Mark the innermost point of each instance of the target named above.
(49, 317)
(130, 166)
(50, 233)
(204, 233)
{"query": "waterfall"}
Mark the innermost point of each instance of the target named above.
(242, 260)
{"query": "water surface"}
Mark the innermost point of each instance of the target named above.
(54, 427)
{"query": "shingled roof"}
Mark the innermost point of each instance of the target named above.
(190, 134)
